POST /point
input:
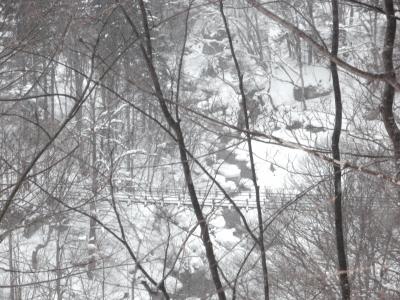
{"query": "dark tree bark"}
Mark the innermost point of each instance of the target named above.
(11, 267)
(59, 252)
(92, 207)
(340, 243)
(310, 50)
(388, 92)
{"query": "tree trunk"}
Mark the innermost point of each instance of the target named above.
(11, 267)
(310, 50)
(92, 223)
(388, 92)
(340, 243)
(58, 264)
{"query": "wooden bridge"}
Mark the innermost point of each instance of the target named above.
(214, 198)
(270, 200)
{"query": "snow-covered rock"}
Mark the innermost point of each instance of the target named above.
(229, 170)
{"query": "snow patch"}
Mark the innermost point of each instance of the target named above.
(229, 171)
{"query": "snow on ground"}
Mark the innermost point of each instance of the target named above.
(226, 237)
(218, 222)
(229, 170)
(228, 185)
(276, 177)
(282, 81)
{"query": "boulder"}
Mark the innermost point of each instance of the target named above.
(310, 92)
